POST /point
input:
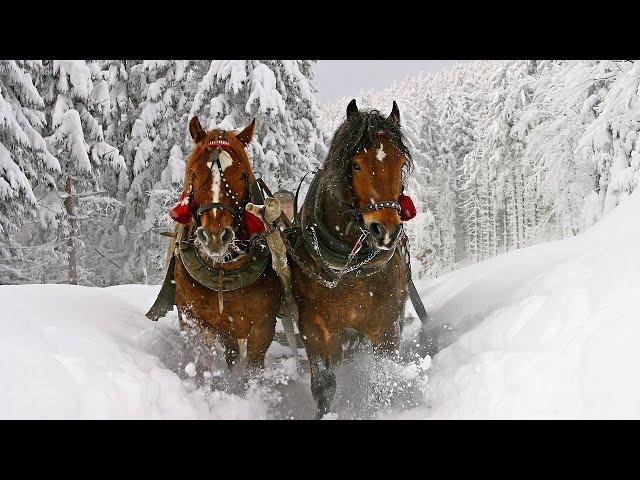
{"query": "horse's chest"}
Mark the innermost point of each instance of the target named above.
(241, 308)
(366, 304)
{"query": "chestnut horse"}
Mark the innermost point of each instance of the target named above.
(223, 281)
(348, 276)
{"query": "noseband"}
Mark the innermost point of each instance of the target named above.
(378, 206)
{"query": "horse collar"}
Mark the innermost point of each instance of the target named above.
(331, 253)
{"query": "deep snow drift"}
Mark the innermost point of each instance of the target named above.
(550, 331)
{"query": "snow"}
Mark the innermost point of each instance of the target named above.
(263, 82)
(549, 331)
(12, 179)
(77, 352)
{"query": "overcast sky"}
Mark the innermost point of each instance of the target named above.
(335, 79)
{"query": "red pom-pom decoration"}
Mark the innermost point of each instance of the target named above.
(407, 208)
(181, 212)
(252, 223)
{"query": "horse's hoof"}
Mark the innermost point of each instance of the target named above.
(325, 416)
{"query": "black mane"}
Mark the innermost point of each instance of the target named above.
(360, 132)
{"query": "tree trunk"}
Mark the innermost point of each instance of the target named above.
(504, 224)
(523, 212)
(71, 242)
(516, 213)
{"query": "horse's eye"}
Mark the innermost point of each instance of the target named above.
(356, 166)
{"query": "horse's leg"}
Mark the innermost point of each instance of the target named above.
(258, 341)
(323, 379)
(323, 384)
(231, 348)
(181, 321)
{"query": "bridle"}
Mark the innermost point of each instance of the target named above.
(214, 157)
(237, 206)
(377, 206)
(236, 210)
(357, 213)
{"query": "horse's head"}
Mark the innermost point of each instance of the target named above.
(217, 178)
(377, 158)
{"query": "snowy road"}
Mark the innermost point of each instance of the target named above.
(549, 331)
(76, 352)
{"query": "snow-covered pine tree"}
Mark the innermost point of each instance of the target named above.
(278, 93)
(470, 198)
(614, 135)
(74, 115)
(24, 157)
(24, 161)
(121, 106)
(421, 132)
(458, 122)
(588, 85)
(156, 140)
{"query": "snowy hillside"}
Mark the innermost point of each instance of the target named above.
(552, 330)
(549, 331)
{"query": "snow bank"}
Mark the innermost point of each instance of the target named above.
(76, 352)
(550, 331)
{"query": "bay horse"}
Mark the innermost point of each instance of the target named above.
(223, 281)
(348, 276)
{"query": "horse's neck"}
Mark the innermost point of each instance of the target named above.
(332, 208)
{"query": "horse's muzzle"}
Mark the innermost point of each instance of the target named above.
(381, 236)
(215, 244)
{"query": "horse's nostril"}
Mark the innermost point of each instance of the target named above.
(202, 235)
(377, 229)
(226, 236)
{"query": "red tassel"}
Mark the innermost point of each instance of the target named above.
(181, 212)
(407, 208)
(252, 223)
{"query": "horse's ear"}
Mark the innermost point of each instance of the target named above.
(196, 130)
(352, 109)
(246, 135)
(395, 113)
